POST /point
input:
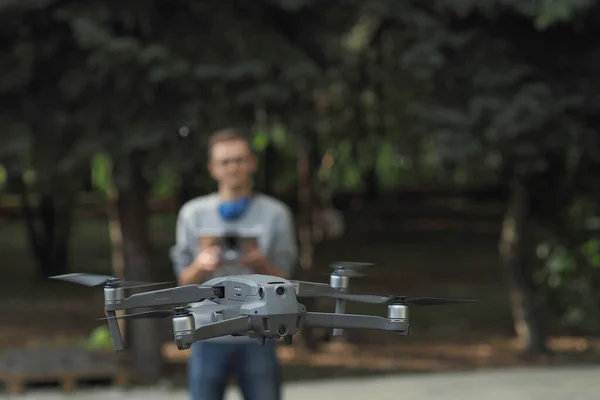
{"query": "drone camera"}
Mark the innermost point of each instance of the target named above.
(280, 291)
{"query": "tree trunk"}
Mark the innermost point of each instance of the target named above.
(13, 183)
(87, 184)
(515, 249)
(143, 336)
(305, 208)
(372, 190)
(269, 168)
(48, 229)
(306, 198)
(364, 129)
(115, 235)
(192, 184)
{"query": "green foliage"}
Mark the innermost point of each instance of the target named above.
(552, 12)
(293, 5)
(544, 13)
(389, 166)
(101, 173)
(131, 75)
(496, 96)
(504, 85)
(3, 178)
(260, 141)
(29, 177)
(167, 182)
(100, 339)
(570, 268)
(446, 91)
(16, 136)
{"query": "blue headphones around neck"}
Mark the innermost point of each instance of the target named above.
(232, 210)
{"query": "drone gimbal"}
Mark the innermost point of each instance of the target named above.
(259, 306)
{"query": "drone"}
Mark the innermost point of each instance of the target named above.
(264, 307)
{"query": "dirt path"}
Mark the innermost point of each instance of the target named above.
(579, 383)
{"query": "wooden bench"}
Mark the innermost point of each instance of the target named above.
(63, 365)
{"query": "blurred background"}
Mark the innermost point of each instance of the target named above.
(452, 143)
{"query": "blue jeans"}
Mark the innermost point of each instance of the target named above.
(256, 368)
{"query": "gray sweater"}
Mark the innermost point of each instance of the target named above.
(267, 218)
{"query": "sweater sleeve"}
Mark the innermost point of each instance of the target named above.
(181, 251)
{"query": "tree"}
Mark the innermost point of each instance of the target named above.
(130, 77)
(499, 92)
(37, 122)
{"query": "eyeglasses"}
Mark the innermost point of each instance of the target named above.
(226, 161)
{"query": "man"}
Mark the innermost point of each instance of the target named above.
(234, 208)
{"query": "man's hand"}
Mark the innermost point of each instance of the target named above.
(207, 260)
(260, 264)
(254, 259)
(200, 269)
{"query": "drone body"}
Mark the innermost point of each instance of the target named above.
(269, 300)
(259, 306)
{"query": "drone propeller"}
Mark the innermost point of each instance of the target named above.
(429, 301)
(144, 314)
(350, 269)
(98, 280)
(417, 301)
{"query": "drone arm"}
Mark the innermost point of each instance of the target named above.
(354, 321)
(312, 289)
(167, 297)
(216, 329)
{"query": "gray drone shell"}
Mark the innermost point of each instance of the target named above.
(259, 294)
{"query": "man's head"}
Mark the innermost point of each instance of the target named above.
(231, 160)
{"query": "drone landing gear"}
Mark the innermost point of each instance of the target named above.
(340, 280)
(115, 331)
(113, 294)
